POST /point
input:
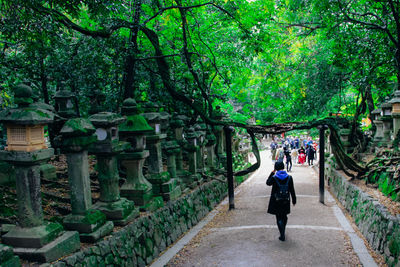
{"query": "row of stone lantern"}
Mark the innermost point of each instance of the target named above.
(98, 135)
(387, 121)
(26, 149)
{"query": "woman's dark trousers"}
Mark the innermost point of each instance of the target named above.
(281, 221)
(289, 161)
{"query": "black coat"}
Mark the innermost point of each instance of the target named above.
(310, 153)
(277, 208)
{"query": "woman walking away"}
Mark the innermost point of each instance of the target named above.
(288, 156)
(282, 189)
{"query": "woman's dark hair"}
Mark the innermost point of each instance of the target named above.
(279, 165)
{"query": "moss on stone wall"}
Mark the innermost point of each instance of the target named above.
(138, 243)
(379, 227)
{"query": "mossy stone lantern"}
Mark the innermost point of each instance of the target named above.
(395, 101)
(192, 147)
(171, 190)
(134, 130)
(220, 134)
(107, 148)
(376, 118)
(177, 125)
(97, 98)
(25, 124)
(386, 117)
(211, 140)
(77, 136)
(65, 103)
(201, 141)
(156, 174)
(33, 237)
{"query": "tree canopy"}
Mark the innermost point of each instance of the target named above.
(262, 61)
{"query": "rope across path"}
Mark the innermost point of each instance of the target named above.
(248, 236)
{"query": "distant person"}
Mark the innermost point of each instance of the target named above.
(280, 155)
(297, 142)
(295, 155)
(279, 202)
(310, 155)
(302, 155)
(315, 145)
(273, 147)
(288, 156)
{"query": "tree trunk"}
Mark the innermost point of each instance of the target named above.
(43, 80)
(130, 65)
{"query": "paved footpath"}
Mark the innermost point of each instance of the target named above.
(316, 234)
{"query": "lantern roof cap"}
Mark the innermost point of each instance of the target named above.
(26, 116)
(77, 127)
(23, 94)
(396, 98)
(64, 93)
(386, 105)
(135, 124)
(176, 122)
(172, 144)
(152, 116)
(191, 133)
(106, 119)
(151, 106)
(376, 111)
(129, 107)
(164, 115)
(43, 105)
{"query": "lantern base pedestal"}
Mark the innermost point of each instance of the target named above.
(172, 194)
(102, 231)
(158, 178)
(154, 204)
(32, 237)
(43, 243)
(63, 245)
(28, 158)
(121, 212)
(222, 161)
(192, 180)
(90, 229)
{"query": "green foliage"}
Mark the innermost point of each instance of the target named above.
(263, 61)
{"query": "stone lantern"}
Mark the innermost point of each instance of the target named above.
(191, 147)
(171, 190)
(177, 125)
(134, 130)
(65, 102)
(32, 238)
(395, 112)
(220, 134)
(97, 98)
(77, 136)
(211, 140)
(120, 210)
(66, 108)
(386, 117)
(201, 133)
(47, 170)
(376, 118)
(156, 174)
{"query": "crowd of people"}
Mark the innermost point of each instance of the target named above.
(293, 149)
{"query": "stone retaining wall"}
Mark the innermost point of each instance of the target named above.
(143, 240)
(378, 226)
